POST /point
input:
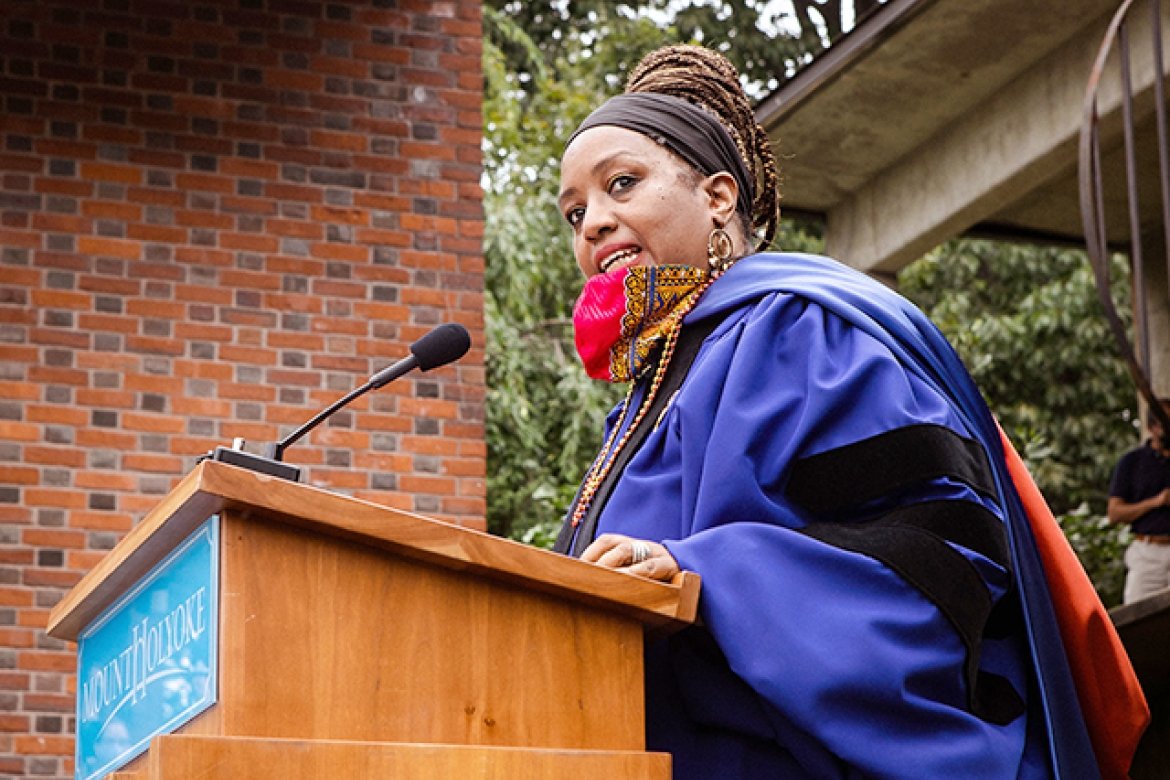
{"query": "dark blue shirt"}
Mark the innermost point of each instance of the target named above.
(1142, 473)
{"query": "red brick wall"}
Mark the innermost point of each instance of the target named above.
(217, 217)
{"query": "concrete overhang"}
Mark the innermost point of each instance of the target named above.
(936, 118)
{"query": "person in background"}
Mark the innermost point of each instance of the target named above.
(1139, 496)
(873, 603)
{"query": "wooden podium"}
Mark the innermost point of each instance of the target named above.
(361, 641)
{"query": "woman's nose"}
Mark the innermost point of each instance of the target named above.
(598, 221)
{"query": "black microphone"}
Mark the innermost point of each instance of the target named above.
(445, 344)
(442, 345)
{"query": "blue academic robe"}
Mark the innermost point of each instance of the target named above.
(811, 660)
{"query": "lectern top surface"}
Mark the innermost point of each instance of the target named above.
(214, 487)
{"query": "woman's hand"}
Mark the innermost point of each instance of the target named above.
(636, 556)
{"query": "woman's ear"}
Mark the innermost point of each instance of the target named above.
(722, 195)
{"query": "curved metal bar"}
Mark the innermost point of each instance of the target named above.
(1141, 326)
(1093, 208)
(1160, 115)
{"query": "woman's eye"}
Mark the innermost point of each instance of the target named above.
(574, 216)
(621, 182)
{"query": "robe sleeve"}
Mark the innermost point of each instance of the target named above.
(849, 659)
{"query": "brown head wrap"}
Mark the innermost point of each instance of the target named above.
(685, 129)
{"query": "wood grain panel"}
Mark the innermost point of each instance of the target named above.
(335, 640)
(251, 759)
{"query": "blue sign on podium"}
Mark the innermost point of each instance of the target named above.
(147, 664)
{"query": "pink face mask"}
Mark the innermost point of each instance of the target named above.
(622, 317)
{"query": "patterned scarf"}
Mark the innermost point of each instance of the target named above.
(622, 317)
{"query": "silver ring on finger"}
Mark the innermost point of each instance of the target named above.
(639, 551)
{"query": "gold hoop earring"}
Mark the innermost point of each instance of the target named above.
(719, 250)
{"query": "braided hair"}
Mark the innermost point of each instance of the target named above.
(708, 80)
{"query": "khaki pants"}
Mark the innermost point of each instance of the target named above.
(1148, 566)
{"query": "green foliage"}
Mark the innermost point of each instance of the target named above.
(1100, 546)
(764, 43)
(1027, 322)
(542, 410)
(800, 235)
(745, 31)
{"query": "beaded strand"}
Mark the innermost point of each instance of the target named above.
(610, 450)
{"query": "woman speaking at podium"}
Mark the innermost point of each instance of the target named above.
(873, 603)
